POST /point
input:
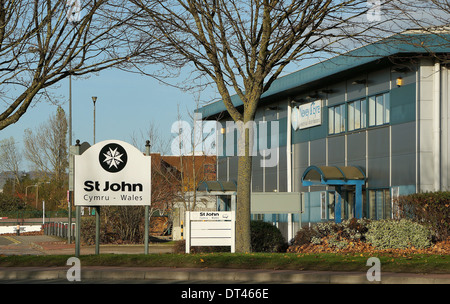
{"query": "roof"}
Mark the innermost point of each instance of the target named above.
(404, 43)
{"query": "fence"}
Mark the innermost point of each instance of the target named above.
(60, 229)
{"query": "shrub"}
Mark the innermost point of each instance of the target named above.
(87, 230)
(305, 236)
(265, 237)
(398, 234)
(338, 233)
(431, 208)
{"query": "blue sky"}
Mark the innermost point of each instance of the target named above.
(126, 103)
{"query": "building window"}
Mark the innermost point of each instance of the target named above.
(323, 205)
(336, 119)
(379, 110)
(327, 203)
(380, 205)
(257, 217)
(357, 114)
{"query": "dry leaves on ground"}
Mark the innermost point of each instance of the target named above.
(363, 247)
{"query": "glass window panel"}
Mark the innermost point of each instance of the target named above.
(363, 113)
(331, 120)
(337, 120)
(387, 204)
(379, 110)
(358, 115)
(387, 107)
(372, 205)
(323, 204)
(372, 111)
(342, 118)
(351, 116)
(379, 203)
(331, 204)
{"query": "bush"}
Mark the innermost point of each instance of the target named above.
(431, 208)
(265, 237)
(337, 233)
(398, 234)
(305, 236)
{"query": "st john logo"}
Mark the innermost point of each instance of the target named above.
(113, 157)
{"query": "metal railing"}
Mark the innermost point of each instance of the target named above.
(60, 229)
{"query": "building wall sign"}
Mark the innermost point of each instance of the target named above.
(307, 115)
(112, 172)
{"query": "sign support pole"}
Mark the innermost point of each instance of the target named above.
(146, 229)
(77, 232)
(76, 151)
(97, 230)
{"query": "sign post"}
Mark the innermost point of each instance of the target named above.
(111, 173)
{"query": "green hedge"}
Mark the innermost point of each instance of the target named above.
(431, 208)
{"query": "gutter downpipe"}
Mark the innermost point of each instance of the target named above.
(289, 167)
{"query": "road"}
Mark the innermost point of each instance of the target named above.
(19, 245)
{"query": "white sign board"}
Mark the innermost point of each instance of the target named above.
(307, 115)
(110, 173)
(210, 228)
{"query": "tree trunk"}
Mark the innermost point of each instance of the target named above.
(243, 239)
(243, 243)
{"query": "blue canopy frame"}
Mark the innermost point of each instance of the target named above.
(338, 177)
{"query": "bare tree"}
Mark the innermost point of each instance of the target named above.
(46, 148)
(153, 134)
(426, 15)
(10, 158)
(43, 42)
(243, 46)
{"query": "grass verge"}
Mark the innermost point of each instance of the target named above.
(414, 263)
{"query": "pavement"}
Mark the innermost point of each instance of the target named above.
(49, 245)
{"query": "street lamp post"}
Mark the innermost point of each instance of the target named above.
(37, 190)
(94, 99)
(97, 208)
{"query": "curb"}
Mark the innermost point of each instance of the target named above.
(218, 275)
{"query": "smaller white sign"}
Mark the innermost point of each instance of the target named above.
(309, 114)
(210, 215)
(210, 228)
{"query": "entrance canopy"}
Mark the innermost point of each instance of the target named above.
(332, 175)
(337, 176)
